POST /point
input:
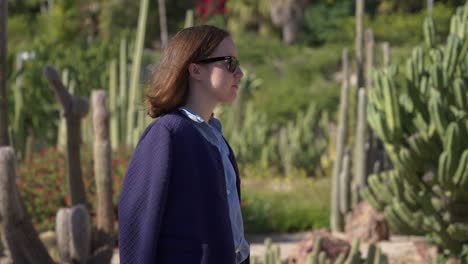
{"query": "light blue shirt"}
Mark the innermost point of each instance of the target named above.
(212, 131)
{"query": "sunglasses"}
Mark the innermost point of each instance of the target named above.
(232, 62)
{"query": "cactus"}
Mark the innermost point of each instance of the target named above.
(123, 90)
(20, 240)
(188, 18)
(374, 255)
(424, 130)
(113, 105)
(74, 109)
(360, 157)
(73, 234)
(337, 220)
(345, 183)
(272, 253)
(62, 130)
(102, 167)
(359, 42)
(135, 75)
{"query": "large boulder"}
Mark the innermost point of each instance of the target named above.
(331, 245)
(366, 224)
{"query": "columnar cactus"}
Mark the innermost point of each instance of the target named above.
(386, 54)
(360, 155)
(337, 220)
(424, 130)
(114, 105)
(102, 167)
(345, 184)
(359, 45)
(74, 109)
(73, 234)
(188, 18)
(20, 239)
(135, 88)
(272, 253)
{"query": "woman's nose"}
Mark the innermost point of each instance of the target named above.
(239, 73)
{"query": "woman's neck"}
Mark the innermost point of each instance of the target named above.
(201, 107)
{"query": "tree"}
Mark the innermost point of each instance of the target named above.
(3, 89)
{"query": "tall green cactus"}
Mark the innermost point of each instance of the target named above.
(135, 88)
(113, 105)
(123, 89)
(337, 219)
(424, 131)
(359, 161)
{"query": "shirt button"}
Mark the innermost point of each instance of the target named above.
(228, 192)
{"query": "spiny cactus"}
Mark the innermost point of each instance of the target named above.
(337, 219)
(102, 167)
(360, 155)
(74, 109)
(135, 89)
(113, 105)
(20, 240)
(345, 184)
(423, 126)
(188, 18)
(272, 253)
(73, 233)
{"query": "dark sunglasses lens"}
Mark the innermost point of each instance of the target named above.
(233, 64)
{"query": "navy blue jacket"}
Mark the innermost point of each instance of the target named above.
(173, 206)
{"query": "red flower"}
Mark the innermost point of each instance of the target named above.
(207, 8)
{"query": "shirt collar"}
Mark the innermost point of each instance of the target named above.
(191, 114)
(198, 119)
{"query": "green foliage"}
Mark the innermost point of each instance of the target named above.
(272, 204)
(292, 76)
(61, 24)
(87, 69)
(322, 21)
(406, 29)
(42, 183)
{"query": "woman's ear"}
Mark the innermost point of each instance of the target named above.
(195, 71)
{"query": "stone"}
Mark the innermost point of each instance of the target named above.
(366, 224)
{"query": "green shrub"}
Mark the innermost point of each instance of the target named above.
(403, 29)
(272, 204)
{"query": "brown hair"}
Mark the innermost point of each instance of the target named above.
(169, 86)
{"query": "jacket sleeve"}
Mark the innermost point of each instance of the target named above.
(143, 196)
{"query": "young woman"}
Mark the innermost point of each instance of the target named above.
(180, 198)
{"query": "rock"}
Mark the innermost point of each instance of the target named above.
(366, 224)
(331, 245)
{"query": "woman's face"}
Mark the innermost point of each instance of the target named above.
(218, 81)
